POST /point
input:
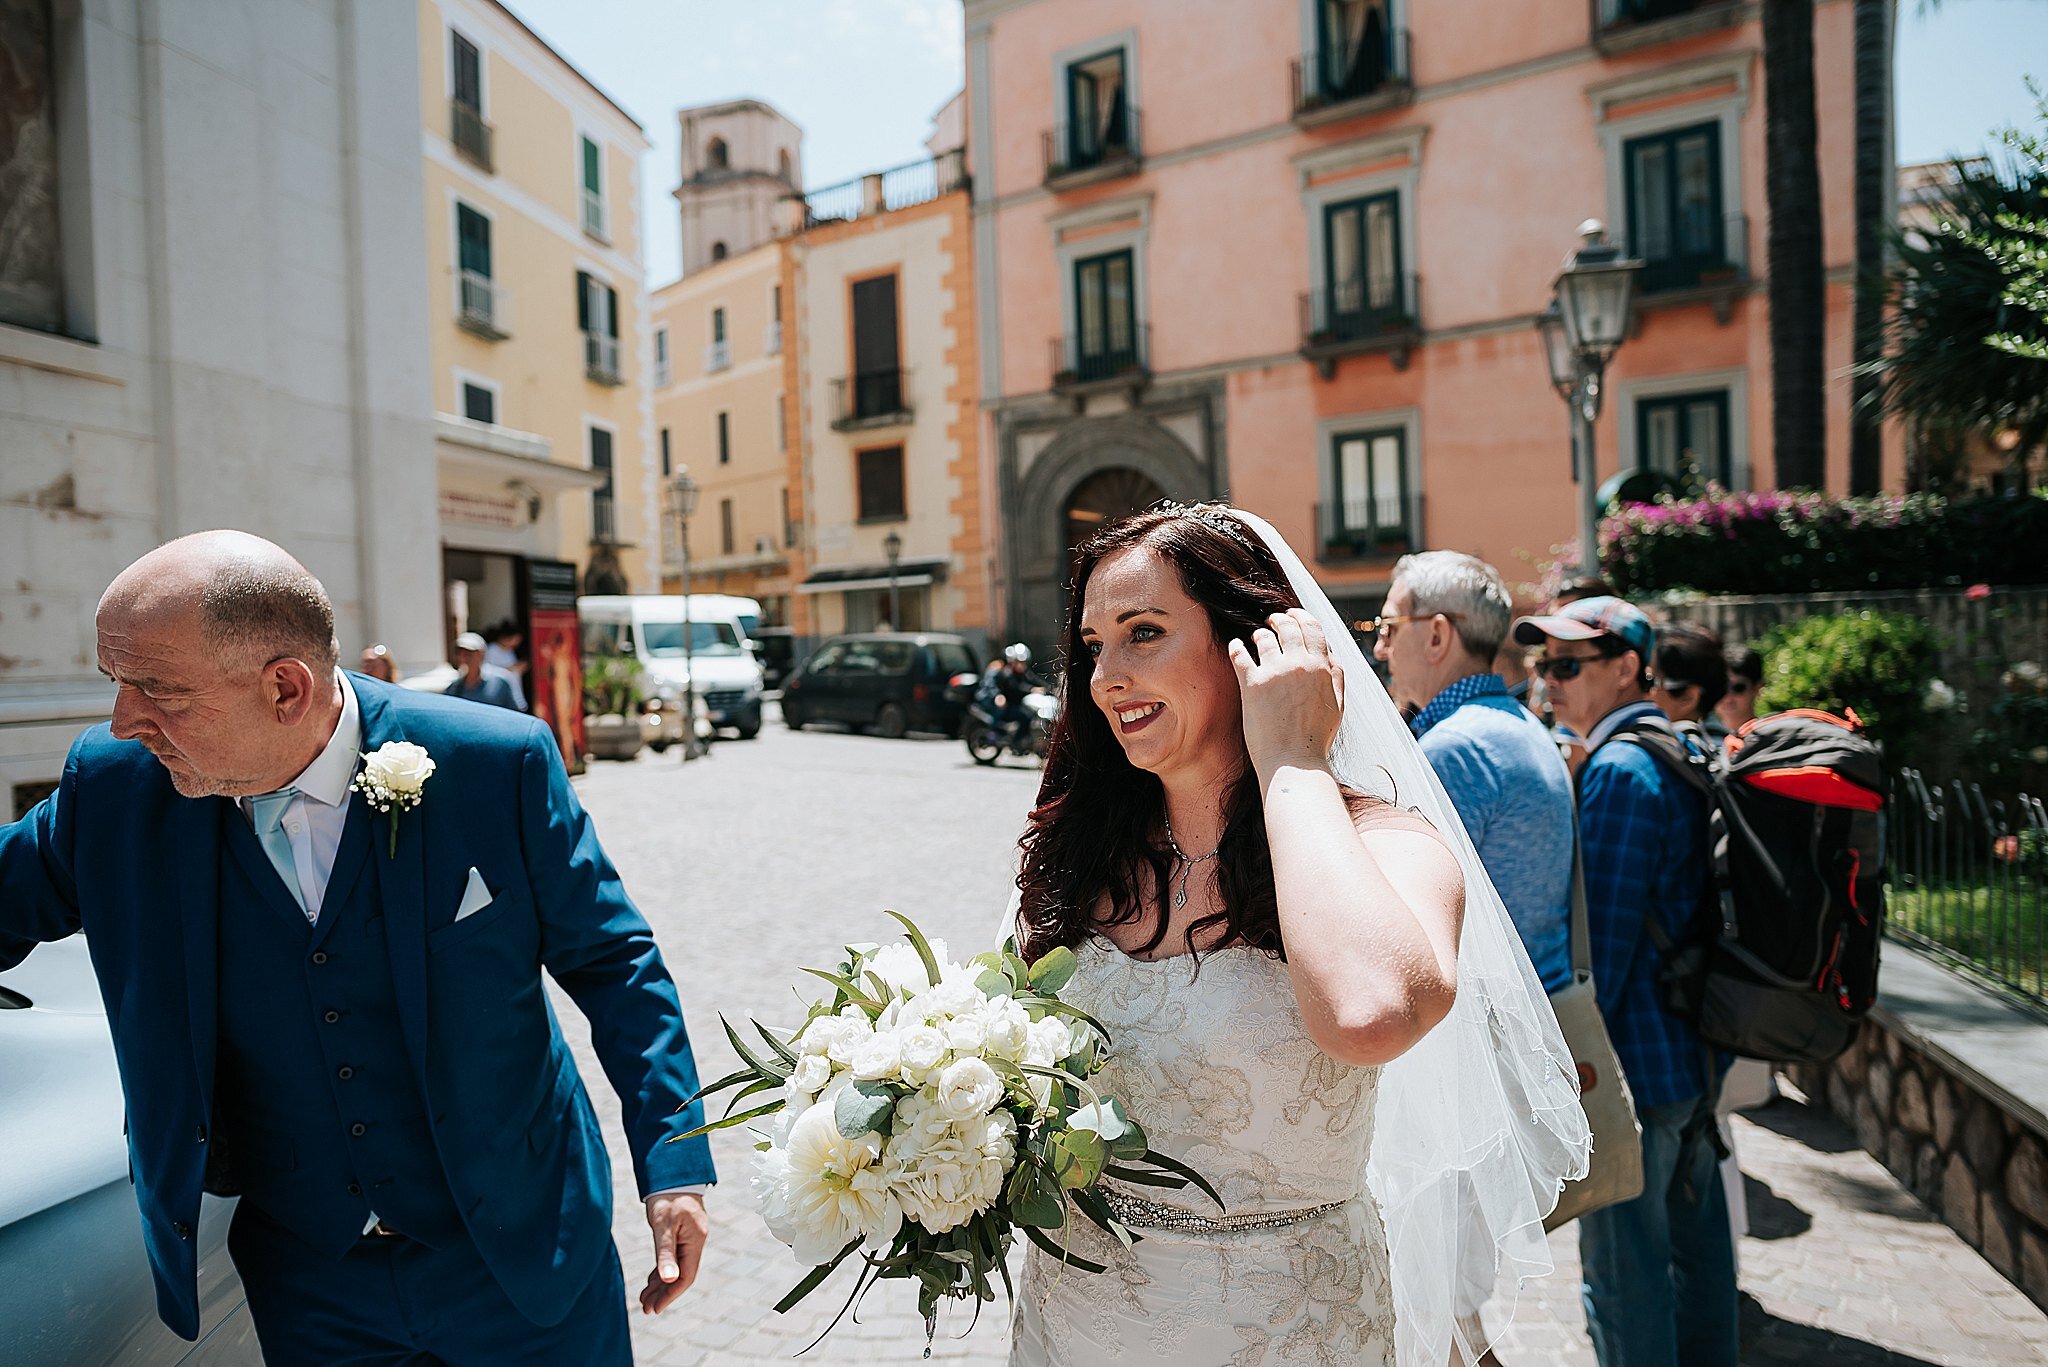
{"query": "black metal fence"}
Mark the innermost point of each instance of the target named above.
(1969, 878)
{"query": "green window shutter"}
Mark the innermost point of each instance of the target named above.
(473, 235)
(591, 166)
(611, 301)
(583, 301)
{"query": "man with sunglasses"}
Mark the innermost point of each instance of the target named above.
(1745, 679)
(1444, 623)
(1659, 1270)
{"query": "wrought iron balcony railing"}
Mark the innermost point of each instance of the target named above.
(470, 134)
(874, 398)
(1365, 526)
(482, 306)
(1123, 353)
(601, 358)
(1095, 149)
(593, 215)
(1362, 314)
(1718, 258)
(1328, 85)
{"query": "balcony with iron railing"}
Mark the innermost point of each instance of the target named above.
(1362, 315)
(1327, 87)
(1626, 25)
(604, 519)
(470, 134)
(1366, 527)
(593, 216)
(881, 192)
(875, 398)
(1716, 272)
(601, 359)
(1122, 357)
(482, 306)
(1084, 153)
(717, 357)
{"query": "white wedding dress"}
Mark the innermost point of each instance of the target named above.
(1218, 1068)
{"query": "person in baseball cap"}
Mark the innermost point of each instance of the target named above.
(481, 681)
(1660, 1269)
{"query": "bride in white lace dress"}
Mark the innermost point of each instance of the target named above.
(1259, 940)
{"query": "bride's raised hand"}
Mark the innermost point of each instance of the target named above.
(1292, 692)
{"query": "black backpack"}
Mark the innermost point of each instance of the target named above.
(1781, 961)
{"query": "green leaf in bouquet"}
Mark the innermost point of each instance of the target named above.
(773, 1067)
(1160, 1160)
(920, 944)
(711, 1089)
(1019, 972)
(883, 992)
(863, 1107)
(1073, 1260)
(814, 1280)
(1053, 971)
(856, 995)
(1039, 1202)
(1131, 1144)
(728, 1121)
(1105, 1117)
(1009, 944)
(1077, 1157)
(754, 1088)
(1095, 1208)
(992, 984)
(781, 1048)
(1053, 1006)
(1143, 1178)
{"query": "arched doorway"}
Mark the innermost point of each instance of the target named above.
(1104, 497)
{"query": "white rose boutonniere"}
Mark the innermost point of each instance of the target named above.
(392, 780)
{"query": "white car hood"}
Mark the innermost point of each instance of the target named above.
(61, 1126)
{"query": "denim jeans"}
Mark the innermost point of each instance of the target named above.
(1660, 1270)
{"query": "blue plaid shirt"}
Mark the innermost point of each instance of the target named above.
(1642, 833)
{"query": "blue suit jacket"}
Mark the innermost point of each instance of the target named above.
(118, 854)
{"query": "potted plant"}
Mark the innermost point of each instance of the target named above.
(611, 703)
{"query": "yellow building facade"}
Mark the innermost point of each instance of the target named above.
(542, 345)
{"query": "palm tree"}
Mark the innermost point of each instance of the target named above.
(1875, 181)
(1798, 281)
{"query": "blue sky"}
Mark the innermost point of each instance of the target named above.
(863, 77)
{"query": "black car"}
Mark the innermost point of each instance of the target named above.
(775, 648)
(890, 682)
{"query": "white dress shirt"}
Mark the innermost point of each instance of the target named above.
(313, 820)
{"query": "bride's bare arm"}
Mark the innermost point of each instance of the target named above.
(1370, 908)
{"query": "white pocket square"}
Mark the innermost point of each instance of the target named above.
(475, 897)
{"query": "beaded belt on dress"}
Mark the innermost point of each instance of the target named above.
(1139, 1213)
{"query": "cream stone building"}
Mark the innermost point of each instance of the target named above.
(542, 349)
(887, 480)
(718, 356)
(212, 314)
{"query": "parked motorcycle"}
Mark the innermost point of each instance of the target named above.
(987, 739)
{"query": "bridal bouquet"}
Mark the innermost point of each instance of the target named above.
(926, 1111)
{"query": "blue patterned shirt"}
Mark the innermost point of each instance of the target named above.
(1643, 836)
(1514, 796)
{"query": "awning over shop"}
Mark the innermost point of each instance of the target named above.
(910, 574)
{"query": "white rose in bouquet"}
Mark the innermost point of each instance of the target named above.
(822, 1190)
(878, 1056)
(1007, 1028)
(901, 967)
(810, 1075)
(969, 1088)
(924, 1052)
(852, 1030)
(954, 996)
(950, 1181)
(1050, 1042)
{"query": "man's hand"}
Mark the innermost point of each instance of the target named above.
(680, 1227)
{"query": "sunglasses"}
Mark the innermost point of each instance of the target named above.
(1673, 686)
(1738, 688)
(1387, 623)
(1561, 668)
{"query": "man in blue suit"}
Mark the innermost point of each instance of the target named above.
(337, 1011)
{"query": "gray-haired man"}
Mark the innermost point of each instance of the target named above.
(1445, 618)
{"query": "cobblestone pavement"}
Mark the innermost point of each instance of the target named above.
(772, 853)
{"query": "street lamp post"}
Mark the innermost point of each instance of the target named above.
(1584, 326)
(682, 501)
(892, 546)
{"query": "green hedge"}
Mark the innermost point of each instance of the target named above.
(1771, 542)
(1878, 664)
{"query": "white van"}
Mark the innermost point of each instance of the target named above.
(649, 628)
(745, 611)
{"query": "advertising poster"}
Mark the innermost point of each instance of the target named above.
(555, 640)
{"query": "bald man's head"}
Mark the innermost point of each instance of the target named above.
(223, 647)
(250, 601)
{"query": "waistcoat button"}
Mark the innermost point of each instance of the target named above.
(319, 956)
(345, 1072)
(359, 1129)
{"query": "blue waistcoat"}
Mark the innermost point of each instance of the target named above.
(317, 1102)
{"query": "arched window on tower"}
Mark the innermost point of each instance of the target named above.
(718, 251)
(716, 155)
(784, 168)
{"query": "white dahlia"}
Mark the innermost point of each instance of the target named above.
(823, 1190)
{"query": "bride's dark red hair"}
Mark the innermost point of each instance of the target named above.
(1099, 819)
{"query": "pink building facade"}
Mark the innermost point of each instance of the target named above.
(1291, 252)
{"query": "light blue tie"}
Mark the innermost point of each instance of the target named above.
(266, 814)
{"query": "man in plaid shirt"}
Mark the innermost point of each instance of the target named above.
(1659, 1270)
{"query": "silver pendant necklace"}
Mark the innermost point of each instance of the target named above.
(1187, 865)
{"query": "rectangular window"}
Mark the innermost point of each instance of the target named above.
(597, 314)
(774, 321)
(478, 403)
(479, 308)
(1105, 317)
(717, 326)
(725, 438)
(1686, 437)
(1368, 513)
(603, 515)
(781, 424)
(1099, 122)
(718, 352)
(31, 231)
(666, 465)
(725, 540)
(1675, 222)
(881, 484)
(1353, 48)
(877, 363)
(466, 80)
(593, 188)
(1364, 289)
(473, 241)
(788, 523)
